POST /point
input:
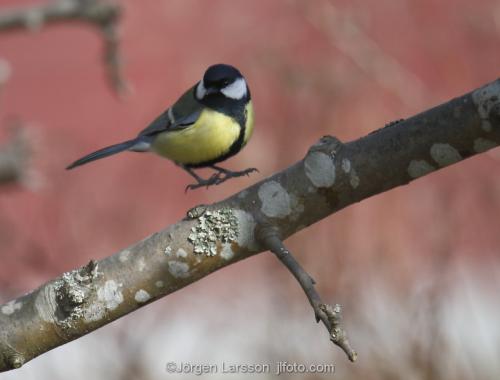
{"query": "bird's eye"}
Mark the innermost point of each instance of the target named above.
(225, 82)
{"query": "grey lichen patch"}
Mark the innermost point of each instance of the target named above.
(124, 255)
(159, 284)
(68, 287)
(141, 264)
(346, 165)
(227, 252)
(353, 175)
(142, 296)
(275, 200)
(109, 297)
(246, 226)
(110, 294)
(178, 269)
(354, 178)
(482, 145)
(94, 312)
(181, 253)
(419, 168)
(320, 169)
(168, 250)
(444, 154)
(486, 99)
(213, 226)
(11, 307)
(71, 293)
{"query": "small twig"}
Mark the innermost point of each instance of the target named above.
(329, 315)
(100, 13)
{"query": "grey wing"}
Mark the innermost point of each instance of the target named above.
(182, 114)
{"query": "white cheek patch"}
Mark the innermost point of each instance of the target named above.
(236, 90)
(201, 91)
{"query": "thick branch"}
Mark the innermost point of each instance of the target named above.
(331, 176)
(100, 13)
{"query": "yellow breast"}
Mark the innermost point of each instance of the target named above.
(250, 122)
(208, 138)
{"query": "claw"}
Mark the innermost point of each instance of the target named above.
(214, 179)
(221, 175)
(249, 170)
(225, 174)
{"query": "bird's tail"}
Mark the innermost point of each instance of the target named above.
(108, 151)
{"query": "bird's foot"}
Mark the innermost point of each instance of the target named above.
(224, 174)
(201, 182)
(219, 177)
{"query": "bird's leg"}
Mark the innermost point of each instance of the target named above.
(213, 180)
(221, 175)
(224, 174)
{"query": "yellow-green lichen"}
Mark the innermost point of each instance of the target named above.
(213, 227)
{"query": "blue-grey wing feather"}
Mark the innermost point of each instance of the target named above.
(182, 114)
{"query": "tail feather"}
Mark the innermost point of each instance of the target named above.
(104, 152)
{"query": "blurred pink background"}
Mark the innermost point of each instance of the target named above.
(325, 67)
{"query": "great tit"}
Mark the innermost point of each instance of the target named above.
(211, 122)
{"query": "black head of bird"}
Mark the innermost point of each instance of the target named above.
(223, 81)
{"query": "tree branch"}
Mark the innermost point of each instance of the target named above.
(100, 13)
(329, 315)
(332, 176)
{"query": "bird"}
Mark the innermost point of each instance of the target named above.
(209, 123)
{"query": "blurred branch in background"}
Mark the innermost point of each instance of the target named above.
(101, 13)
(5, 72)
(15, 156)
(346, 35)
(331, 177)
